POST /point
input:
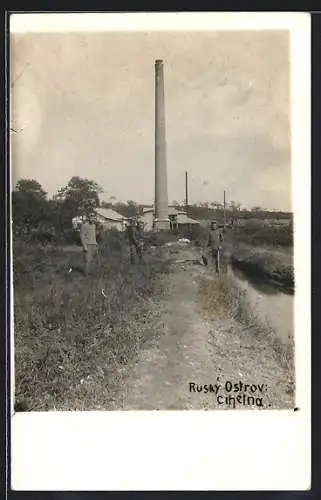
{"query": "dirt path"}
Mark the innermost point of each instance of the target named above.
(194, 350)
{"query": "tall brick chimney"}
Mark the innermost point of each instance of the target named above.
(161, 220)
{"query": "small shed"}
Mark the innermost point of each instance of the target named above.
(178, 219)
(109, 219)
(106, 217)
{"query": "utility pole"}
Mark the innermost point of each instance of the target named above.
(186, 192)
(224, 211)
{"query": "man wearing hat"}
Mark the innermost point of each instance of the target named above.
(88, 240)
(133, 235)
(214, 241)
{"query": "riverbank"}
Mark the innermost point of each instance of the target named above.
(274, 264)
(212, 340)
(225, 299)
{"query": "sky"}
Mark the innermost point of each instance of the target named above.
(83, 104)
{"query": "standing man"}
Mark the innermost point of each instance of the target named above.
(140, 230)
(88, 240)
(214, 241)
(134, 241)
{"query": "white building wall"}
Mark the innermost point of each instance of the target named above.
(107, 224)
(148, 219)
(110, 224)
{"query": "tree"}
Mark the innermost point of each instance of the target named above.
(79, 196)
(29, 206)
(132, 208)
(234, 206)
(106, 204)
(216, 205)
(31, 187)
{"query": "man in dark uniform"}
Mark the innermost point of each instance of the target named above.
(133, 235)
(213, 242)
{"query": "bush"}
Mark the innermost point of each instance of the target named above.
(70, 237)
(112, 240)
(161, 238)
(195, 233)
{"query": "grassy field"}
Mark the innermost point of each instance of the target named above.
(74, 334)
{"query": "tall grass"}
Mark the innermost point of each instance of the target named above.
(263, 250)
(260, 234)
(223, 299)
(73, 334)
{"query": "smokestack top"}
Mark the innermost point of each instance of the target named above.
(159, 61)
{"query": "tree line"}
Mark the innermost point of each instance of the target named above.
(34, 212)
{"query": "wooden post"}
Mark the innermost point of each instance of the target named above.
(186, 193)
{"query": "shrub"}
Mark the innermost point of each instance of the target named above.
(195, 233)
(160, 238)
(112, 240)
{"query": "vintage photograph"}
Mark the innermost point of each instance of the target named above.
(152, 220)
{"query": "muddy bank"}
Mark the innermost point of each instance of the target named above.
(274, 265)
(272, 305)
